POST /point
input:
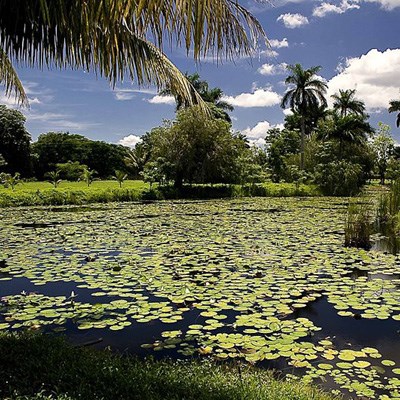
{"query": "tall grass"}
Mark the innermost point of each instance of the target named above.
(358, 225)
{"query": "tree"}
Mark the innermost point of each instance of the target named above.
(9, 180)
(394, 106)
(345, 103)
(212, 97)
(350, 128)
(54, 148)
(111, 37)
(14, 141)
(307, 93)
(383, 145)
(194, 148)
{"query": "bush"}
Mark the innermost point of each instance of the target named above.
(339, 178)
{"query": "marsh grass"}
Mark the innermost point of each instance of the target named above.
(41, 367)
(358, 226)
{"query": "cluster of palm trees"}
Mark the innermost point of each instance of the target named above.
(347, 122)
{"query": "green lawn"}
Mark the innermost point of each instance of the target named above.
(77, 193)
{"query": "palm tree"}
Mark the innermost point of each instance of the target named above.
(307, 93)
(219, 108)
(345, 129)
(394, 106)
(345, 102)
(111, 38)
(120, 176)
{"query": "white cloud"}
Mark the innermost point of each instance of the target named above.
(269, 53)
(259, 98)
(258, 142)
(386, 4)
(130, 140)
(328, 8)
(124, 95)
(287, 111)
(259, 131)
(271, 69)
(375, 76)
(277, 44)
(162, 100)
(292, 21)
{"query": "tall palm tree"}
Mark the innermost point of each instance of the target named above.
(121, 38)
(394, 106)
(219, 108)
(307, 92)
(345, 129)
(345, 103)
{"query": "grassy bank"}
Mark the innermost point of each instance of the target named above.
(41, 367)
(76, 193)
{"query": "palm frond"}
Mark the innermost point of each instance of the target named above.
(109, 37)
(10, 79)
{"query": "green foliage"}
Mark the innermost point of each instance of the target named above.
(14, 142)
(383, 146)
(120, 176)
(54, 177)
(88, 176)
(8, 180)
(55, 148)
(70, 171)
(358, 226)
(194, 149)
(338, 178)
(43, 367)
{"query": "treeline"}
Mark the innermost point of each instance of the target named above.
(67, 153)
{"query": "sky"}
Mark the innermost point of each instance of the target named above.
(356, 42)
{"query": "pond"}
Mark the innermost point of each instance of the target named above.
(267, 281)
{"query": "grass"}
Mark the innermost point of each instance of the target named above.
(358, 227)
(36, 366)
(76, 193)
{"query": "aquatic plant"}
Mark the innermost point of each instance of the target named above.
(358, 228)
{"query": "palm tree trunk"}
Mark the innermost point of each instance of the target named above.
(303, 135)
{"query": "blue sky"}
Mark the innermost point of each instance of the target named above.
(357, 43)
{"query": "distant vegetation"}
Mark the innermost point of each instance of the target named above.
(336, 149)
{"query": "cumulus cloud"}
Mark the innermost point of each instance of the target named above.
(386, 4)
(287, 111)
(277, 44)
(292, 21)
(130, 140)
(258, 142)
(258, 131)
(162, 100)
(375, 76)
(271, 69)
(328, 8)
(259, 98)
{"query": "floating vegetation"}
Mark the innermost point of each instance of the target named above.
(223, 279)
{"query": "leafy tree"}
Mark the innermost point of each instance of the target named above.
(307, 93)
(112, 38)
(344, 102)
(394, 106)
(120, 176)
(195, 149)
(212, 97)
(382, 145)
(54, 178)
(14, 141)
(70, 171)
(347, 129)
(282, 144)
(54, 148)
